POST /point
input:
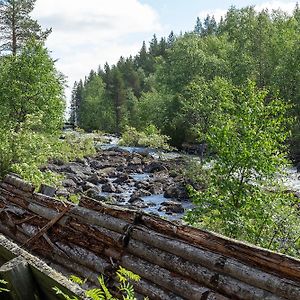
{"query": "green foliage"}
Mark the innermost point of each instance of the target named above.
(151, 137)
(17, 26)
(3, 282)
(248, 139)
(31, 88)
(125, 288)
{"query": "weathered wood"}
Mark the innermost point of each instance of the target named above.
(219, 263)
(47, 226)
(21, 284)
(86, 258)
(166, 279)
(125, 214)
(153, 291)
(45, 277)
(214, 280)
(250, 254)
(19, 183)
(174, 261)
(88, 216)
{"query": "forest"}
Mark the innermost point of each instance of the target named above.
(175, 83)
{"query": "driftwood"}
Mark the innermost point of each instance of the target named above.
(174, 261)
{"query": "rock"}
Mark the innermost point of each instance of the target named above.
(88, 185)
(176, 192)
(103, 180)
(97, 165)
(156, 188)
(139, 203)
(172, 207)
(142, 185)
(141, 193)
(155, 166)
(93, 179)
(62, 192)
(94, 193)
(119, 150)
(75, 178)
(123, 178)
(69, 183)
(109, 188)
(110, 172)
(135, 161)
(47, 190)
(119, 190)
(298, 167)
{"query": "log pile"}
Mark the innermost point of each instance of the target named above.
(174, 261)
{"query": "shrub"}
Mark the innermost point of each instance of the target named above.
(151, 137)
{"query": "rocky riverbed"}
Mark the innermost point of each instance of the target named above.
(122, 177)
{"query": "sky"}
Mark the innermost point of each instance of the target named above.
(86, 34)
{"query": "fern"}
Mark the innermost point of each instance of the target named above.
(60, 292)
(102, 293)
(105, 290)
(124, 274)
(1, 288)
(77, 280)
(95, 294)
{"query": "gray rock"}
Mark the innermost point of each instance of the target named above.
(94, 178)
(69, 183)
(155, 166)
(47, 190)
(156, 188)
(109, 188)
(141, 193)
(172, 207)
(62, 192)
(93, 193)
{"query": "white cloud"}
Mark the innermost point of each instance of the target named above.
(89, 33)
(286, 6)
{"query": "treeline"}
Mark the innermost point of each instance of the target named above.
(172, 82)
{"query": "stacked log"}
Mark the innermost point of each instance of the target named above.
(174, 261)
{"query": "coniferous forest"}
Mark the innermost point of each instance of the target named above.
(174, 81)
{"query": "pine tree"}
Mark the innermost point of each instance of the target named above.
(198, 27)
(171, 39)
(16, 25)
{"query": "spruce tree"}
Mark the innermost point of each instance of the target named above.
(198, 27)
(17, 26)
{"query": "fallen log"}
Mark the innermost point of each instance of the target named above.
(166, 279)
(225, 284)
(219, 263)
(262, 258)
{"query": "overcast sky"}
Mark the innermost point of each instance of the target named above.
(86, 34)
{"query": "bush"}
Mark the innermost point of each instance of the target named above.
(151, 137)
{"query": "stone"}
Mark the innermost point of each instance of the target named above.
(109, 188)
(69, 183)
(172, 207)
(47, 190)
(156, 188)
(93, 179)
(155, 166)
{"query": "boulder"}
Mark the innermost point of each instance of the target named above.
(47, 190)
(109, 188)
(69, 183)
(155, 166)
(94, 178)
(171, 207)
